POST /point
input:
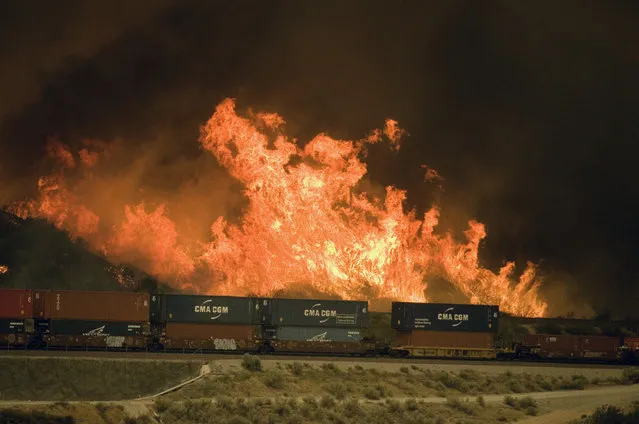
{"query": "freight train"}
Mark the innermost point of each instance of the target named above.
(123, 321)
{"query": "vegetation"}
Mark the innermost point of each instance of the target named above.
(64, 413)
(373, 384)
(612, 415)
(87, 379)
(527, 404)
(327, 410)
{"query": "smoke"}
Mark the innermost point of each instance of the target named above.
(512, 106)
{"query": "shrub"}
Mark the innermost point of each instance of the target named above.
(510, 401)
(481, 401)
(327, 402)
(251, 363)
(411, 405)
(336, 389)
(405, 370)
(352, 409)
(274, 381)
(372, 394)
(464, 407)
(297, 368)
(631, 375)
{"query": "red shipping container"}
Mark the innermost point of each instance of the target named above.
(16, 303)
(39, 298)
(575, 346)
(445, 339)
(554, 343)
(600, 344)
(97, 306)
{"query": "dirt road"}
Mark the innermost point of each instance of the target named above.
(567, 408)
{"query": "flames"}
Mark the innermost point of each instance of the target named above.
(4, 269)
(307, 224)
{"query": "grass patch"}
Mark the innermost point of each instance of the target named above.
(86, 379)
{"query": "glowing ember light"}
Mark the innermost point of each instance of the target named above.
(306, 225)
(4, 269)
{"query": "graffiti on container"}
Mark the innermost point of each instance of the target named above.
(114, 341)
(96, 332)
(319, 338)
(225, 344)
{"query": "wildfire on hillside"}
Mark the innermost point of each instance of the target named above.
(307, 224)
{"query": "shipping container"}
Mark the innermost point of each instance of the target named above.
(314, 313)
(203, 309)
(97, 328)
(444, 317)
(211, 337)
(39, 298)
(96, 306)
(103, 334)
(315, 334)
(445, 339)
(16, 303)
(573, 346)
(632, 343)
(11, 326)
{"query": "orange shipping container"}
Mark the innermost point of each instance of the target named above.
(97, 305)
(445, 339)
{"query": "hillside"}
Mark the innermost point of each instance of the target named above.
(38, 255)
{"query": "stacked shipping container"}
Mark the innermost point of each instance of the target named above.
(205, 322)
(16, 315)
(445, 326)
(93, 318)
(318, 325)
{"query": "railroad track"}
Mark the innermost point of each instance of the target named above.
(199, 357)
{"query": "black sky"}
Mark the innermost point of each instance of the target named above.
(528, 109)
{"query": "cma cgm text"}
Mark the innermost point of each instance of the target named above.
(319, 313)
(452, 317)
(212, 309)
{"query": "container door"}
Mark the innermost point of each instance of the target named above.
(39, 297)
(266, 311)
(155, 308)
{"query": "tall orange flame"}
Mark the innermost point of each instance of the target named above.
(307, 224)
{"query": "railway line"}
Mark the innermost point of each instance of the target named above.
(208, 357)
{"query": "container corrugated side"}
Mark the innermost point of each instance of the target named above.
(444, 317)
(205, 336)
(314, 313)
(600, 344)
(11, 326)
(96, 328)
(97, 306)
(317, 334)
(16, 303)
(445, 339)
(207, 309)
